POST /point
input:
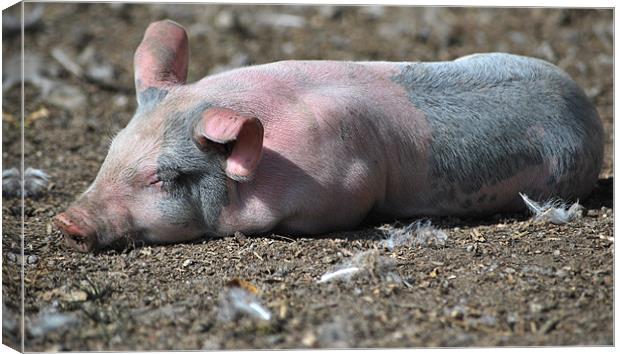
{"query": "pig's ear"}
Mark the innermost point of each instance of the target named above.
(160, 60)
(224, 126)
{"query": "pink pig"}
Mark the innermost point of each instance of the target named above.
(307, 147)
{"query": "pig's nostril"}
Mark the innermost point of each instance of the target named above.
(79, 243)
(82, 243)
(77, 237)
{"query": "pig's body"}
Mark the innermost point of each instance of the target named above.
(346, 140)
(320, 146)
(341, 140)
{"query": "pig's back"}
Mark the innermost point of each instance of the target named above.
(502, 121)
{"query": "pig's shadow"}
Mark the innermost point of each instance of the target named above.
(602, 195)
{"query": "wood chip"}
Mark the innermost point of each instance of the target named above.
(240, 283)
(549, 325)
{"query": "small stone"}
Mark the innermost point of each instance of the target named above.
(48, 322)
(117, 5)
(187, 262)
(331, 11)
(517, 38)
(67, 62)
(11, 182)
(280, 20)
(54, 348)
(546, 52)
(488, 320)
(225, 20)
(328, 259)
(457, 314)
(309, 340)
(239, 60)
(211, 344)
(424, 284)
(146, 251)
(87, 55)
(101, 73)
(68, 97)
(35, 182)
(287, 48)
(120, 101)
(75, 296)
(535, 308)
(512, 318)
(34, 72)
(32, 259)
(373, 12)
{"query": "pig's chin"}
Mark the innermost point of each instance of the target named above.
(136, 238)
(168, 235)
(120, 242)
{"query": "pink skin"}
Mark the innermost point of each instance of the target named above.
(121, 202)
(122, 205)
(301, 118)
(224, 126)
(302, 161)
(169, 41)
(335, 188)
(113, 207)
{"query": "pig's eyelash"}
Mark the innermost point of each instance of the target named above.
(168, 178)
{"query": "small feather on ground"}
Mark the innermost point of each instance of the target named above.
(417, 233)
(237, 300)
(554, 211)
(370, 263)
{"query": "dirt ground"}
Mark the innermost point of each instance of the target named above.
(499, 281)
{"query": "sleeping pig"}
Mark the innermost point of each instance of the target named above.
(308, 147)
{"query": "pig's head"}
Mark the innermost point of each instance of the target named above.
(167, 174)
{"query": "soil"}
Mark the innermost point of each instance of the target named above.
(500, 281)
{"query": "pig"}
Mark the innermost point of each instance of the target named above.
(310, 147)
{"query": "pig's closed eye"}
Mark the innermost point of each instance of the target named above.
(165, 178)
(156, 182)
(161, 184)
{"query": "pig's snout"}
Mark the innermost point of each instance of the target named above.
(77, 234)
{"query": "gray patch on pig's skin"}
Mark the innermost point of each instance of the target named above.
(480, 108)
(466, 204)
(344, 133)
(194, 179)
(149, 97)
